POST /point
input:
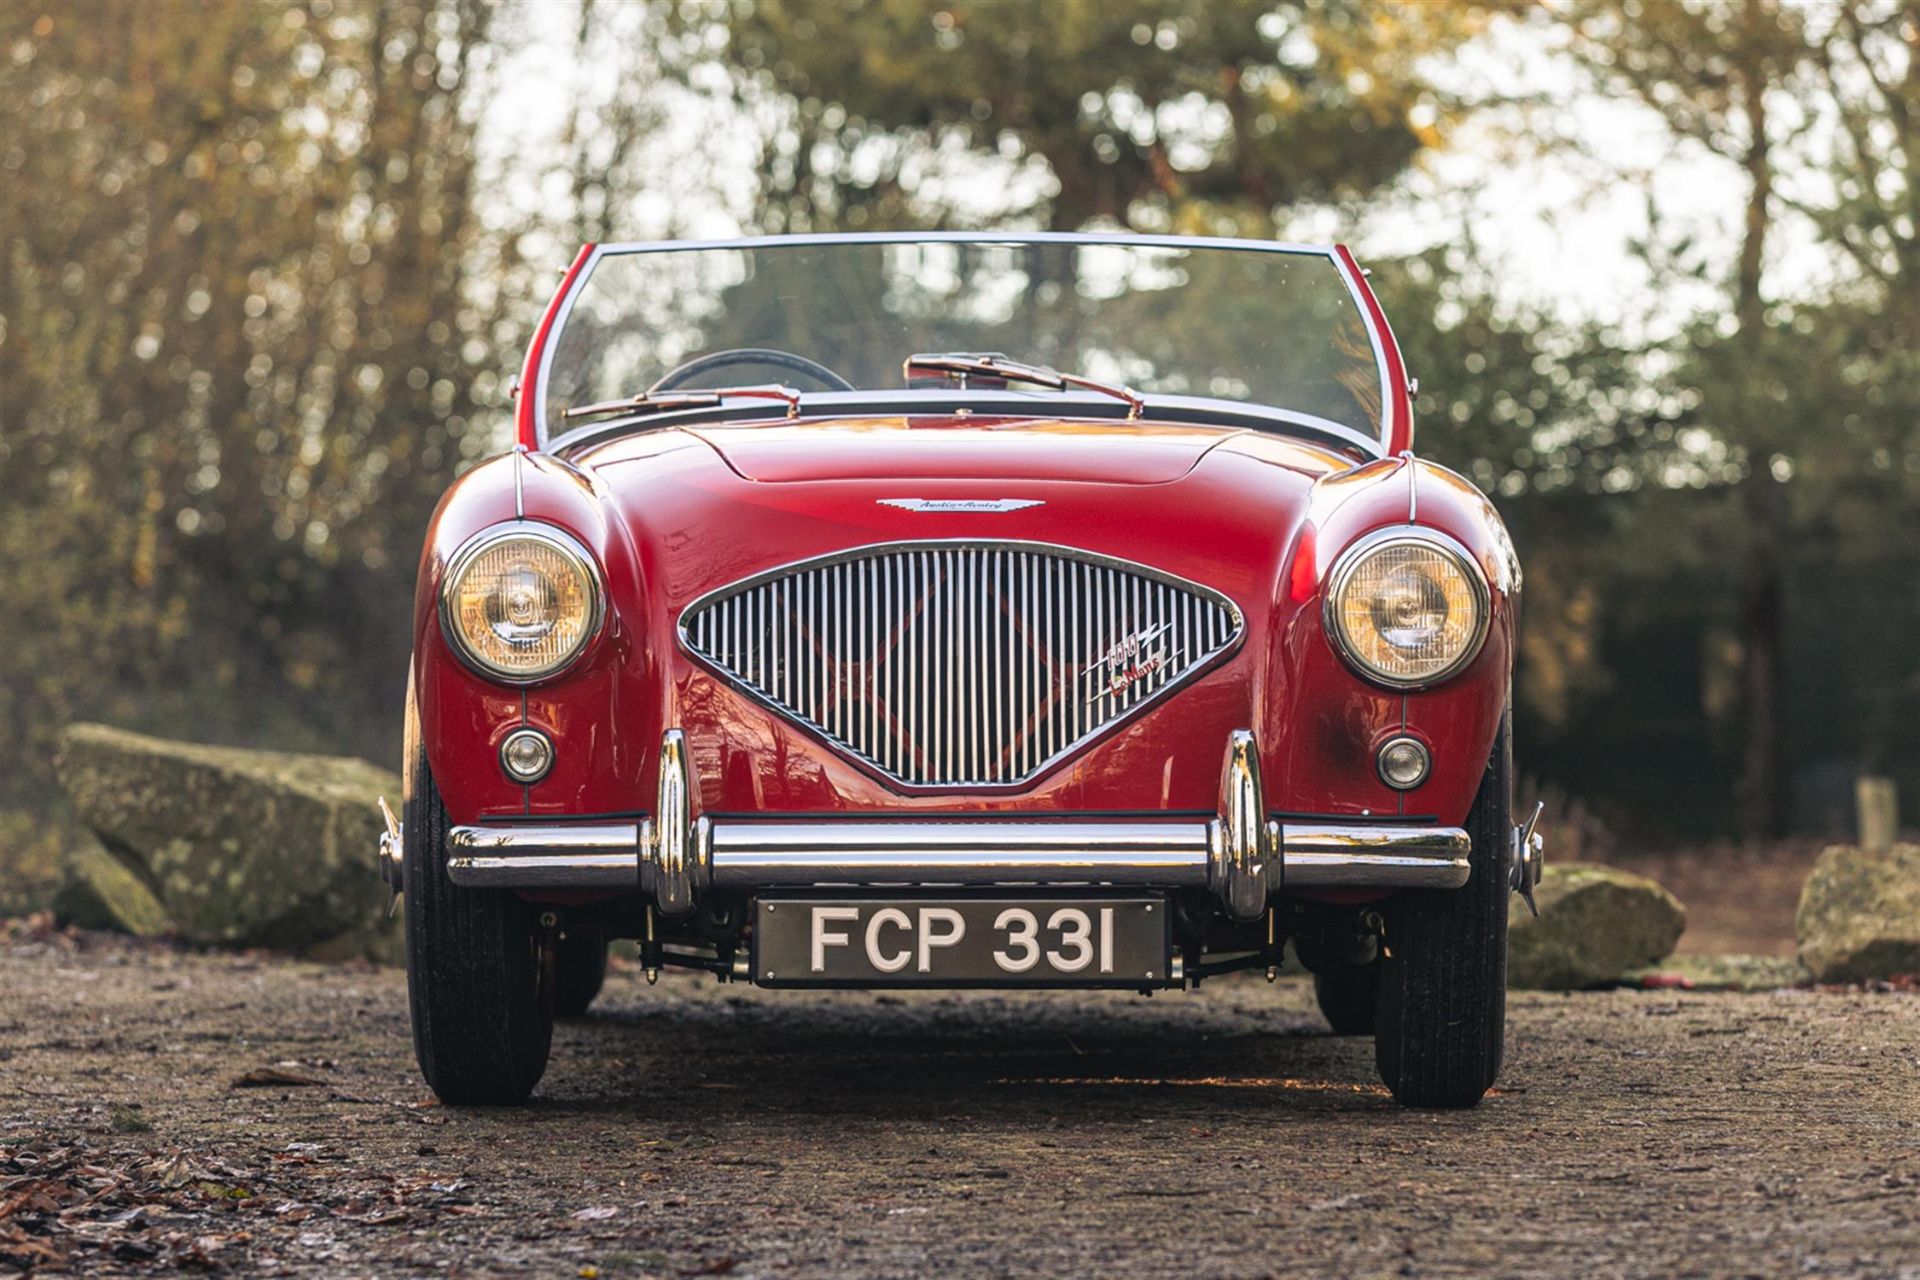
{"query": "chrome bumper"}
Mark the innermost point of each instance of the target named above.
(1239, 854)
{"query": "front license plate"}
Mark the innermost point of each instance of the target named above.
(960, 942)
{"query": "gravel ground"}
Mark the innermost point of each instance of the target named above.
(164, 1110)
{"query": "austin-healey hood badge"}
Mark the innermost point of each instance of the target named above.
(963, 505)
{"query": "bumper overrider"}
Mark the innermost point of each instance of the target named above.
(675, 854)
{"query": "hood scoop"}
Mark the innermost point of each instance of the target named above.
(948, 448)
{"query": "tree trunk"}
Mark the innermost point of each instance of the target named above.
(1763, 781)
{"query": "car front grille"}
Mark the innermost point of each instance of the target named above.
(954, 664)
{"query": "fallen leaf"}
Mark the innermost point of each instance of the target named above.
(595, 1213)
(1666, 981)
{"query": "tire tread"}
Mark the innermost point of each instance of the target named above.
(1441, 1024)
(481, 1028)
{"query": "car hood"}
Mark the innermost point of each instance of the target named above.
(704, 506)
(933, 448)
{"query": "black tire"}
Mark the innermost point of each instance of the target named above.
(482, 1011)
(1348, 998)
(1442, 1017)
(580, 967)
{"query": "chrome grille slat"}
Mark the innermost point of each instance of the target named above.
(952, 664)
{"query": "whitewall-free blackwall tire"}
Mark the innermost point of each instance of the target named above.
(480, 994)
(1440, 1027)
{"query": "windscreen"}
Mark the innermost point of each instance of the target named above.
(1275, 327)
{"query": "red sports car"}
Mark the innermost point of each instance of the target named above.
(930, 610)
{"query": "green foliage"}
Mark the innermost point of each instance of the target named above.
(239, 359)
(1200, 115)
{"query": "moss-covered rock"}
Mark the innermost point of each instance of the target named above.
(1595, 924)
(99, 891)
(1859, 914)
(241, 848)
(382, 940)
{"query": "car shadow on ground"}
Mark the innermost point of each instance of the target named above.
(921, 1055)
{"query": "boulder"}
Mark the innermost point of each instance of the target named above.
(1595, 924)
(240, 848)
(1859, 914)
(99, 891)
(382, 939)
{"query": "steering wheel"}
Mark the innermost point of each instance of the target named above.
(682, 374)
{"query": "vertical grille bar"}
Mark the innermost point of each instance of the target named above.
(997, 745)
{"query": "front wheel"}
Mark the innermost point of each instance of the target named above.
(1441, 1022)
(480, 986)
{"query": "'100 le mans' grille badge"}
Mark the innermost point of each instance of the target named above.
(967, 505)
(1128, 660)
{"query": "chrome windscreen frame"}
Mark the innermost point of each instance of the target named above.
(1376, 446)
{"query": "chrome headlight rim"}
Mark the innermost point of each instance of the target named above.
(1406, 535)
(557, 539)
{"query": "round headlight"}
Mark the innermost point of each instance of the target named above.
(520, 601)
(1407, 607)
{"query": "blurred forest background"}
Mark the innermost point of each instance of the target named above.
(265, 268)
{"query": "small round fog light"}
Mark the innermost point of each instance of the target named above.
(1403, 763)
(526, 755)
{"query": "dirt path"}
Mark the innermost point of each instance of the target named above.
(700, 1129)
